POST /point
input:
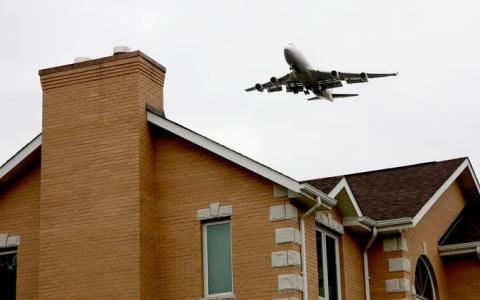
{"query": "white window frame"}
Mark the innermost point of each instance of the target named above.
(326, 233)
(205, 258)
(427, 265)
(8, 252)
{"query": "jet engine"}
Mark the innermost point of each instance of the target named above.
(335, 75)
(364, 77)
(259, 87)
(274, 80)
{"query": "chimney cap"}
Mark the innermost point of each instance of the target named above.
(80, 59)
(120, 49)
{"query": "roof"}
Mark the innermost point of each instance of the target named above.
(396, 192)
(466, 229)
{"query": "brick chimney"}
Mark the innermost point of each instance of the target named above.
(96, 204)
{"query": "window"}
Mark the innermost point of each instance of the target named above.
(217, 253)
(328, 265)
(8, 273)
(424, 284)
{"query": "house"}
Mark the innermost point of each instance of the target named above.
(113, 200)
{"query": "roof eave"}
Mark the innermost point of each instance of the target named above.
(383, 226)
(16, 161)
(460, 249)
(303, 189)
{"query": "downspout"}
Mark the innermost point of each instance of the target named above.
(366, 274)
(304, 250)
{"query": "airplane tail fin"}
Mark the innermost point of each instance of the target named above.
(343, 95)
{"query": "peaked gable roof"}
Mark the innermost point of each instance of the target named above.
(395, 193)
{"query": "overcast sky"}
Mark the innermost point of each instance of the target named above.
(213, 50)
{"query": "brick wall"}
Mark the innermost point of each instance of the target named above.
(188, 178)
(94, 167)
(420, 240)
(429, 230)
(463, 275)
(19, 215)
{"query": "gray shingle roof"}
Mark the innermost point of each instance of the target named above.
(397, 192)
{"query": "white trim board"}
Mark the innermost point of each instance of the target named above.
(459, 249)
(344, 184)
(20, 156)
(426, 207)
(224, 152)
(236, 157)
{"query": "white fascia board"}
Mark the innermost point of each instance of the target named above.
(441, 190)
(344, 184)
(235, 157)
(382, 225)
(357, 221)
(308, 189)
(459, 249)
(475, 179)
(20, 156)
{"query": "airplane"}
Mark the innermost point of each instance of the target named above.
(303, 78)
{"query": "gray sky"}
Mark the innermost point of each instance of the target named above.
(213, 50)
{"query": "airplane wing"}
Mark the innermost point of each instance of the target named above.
(333, 79)
(275, 84)
(362, 77)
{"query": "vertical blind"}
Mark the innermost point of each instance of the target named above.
(219, 258)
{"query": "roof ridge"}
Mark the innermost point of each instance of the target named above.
(408, 166)
(388, 169)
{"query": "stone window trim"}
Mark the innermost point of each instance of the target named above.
(326, 219)
(7, 241)
(214, 211)
(226, 296)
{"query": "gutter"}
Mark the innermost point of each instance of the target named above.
(460, 249)
(382, 226)
(366, 274)
(303, 245)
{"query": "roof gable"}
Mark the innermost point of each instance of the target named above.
(403, 192)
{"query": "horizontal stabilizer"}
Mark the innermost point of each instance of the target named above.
(343, 95)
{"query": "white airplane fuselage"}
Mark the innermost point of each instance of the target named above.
(302, 71)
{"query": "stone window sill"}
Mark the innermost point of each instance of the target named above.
(219, 297)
